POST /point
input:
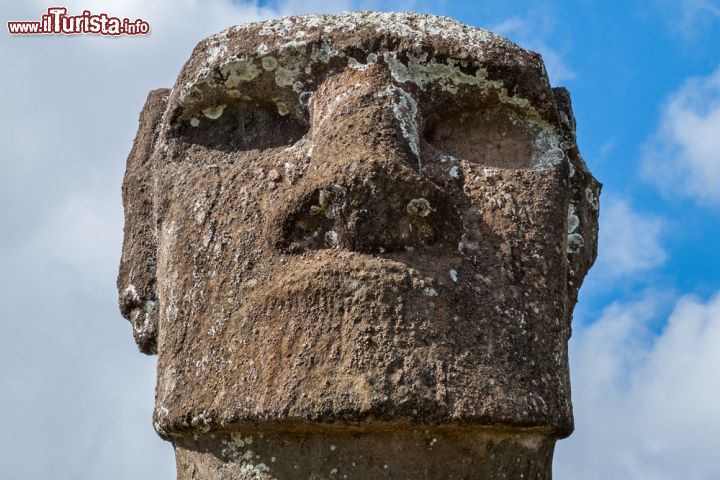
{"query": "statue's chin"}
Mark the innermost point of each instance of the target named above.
(345, 338)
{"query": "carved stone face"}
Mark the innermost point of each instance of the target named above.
(364, 217)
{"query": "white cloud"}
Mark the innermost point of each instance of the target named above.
(683, 156)
(531, 32)
(646, 405)
(629, 241)
(691, 17)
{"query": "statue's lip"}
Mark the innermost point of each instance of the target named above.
(429, 271)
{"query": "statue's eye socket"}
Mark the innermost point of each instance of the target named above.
(243, 126)
(492, 137)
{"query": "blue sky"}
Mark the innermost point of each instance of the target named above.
(645, 82)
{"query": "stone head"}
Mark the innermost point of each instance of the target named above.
(361, 219)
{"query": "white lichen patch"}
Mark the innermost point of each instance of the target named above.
(419, 207)
(324, 52)
(194, 121)
(238, 71)
(279, 28)
(592, 198)
(130, 293)
(214, 112)
(430, 292)
(285, 77)
(147, 312)
(232, 74)
(255, 470)
(356, 65)
(547, 150)
(232, 447)
(331, 239)
(573, 221)
(424, 72)
(411, 26)
(216, 46)
(291, 170)
(269, 63)
(201, 364)
(216, 52)
(454, 172)
(453, 275)
(161, 413)
(282, 108)
(405, 109)
(262, 49)
(201, 422)
(574, 243)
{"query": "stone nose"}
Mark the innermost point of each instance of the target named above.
(359, 117)
(364, 190)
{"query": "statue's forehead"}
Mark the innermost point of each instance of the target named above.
(362, 30)
(286, 58)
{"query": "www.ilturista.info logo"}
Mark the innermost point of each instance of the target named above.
(58, 22)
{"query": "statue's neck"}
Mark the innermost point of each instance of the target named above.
(406, 453)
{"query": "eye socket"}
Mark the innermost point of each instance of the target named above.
(491, 137)
(243, 126)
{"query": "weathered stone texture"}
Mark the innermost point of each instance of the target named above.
(365, 231)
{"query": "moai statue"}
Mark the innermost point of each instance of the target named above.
(355, 243)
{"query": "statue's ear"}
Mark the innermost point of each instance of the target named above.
(583, 208)
(136, 279)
